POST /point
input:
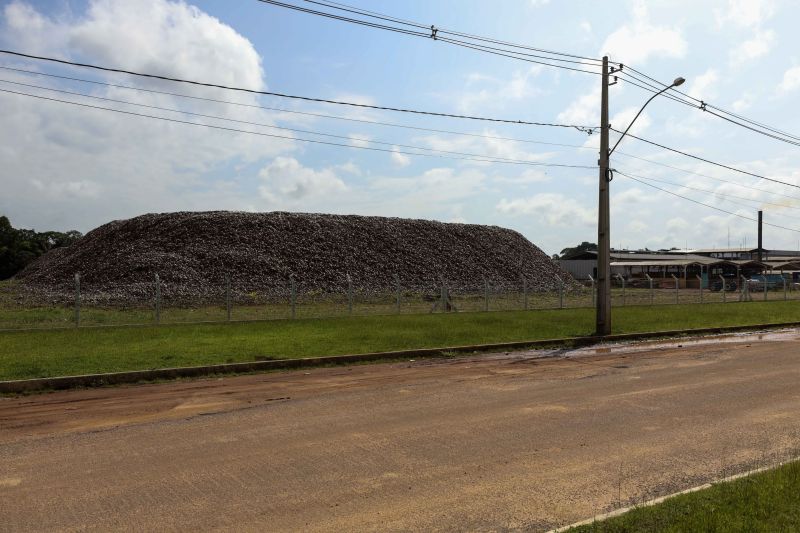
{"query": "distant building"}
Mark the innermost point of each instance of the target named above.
(686, 265)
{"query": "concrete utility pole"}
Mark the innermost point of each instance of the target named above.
(603, 219)
(603, 325)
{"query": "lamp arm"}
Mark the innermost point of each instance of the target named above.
(637, 116)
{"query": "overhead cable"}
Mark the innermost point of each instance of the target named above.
(709, 161)
(704, 204)
(362, 11)
(433, 33)
(693, 173)
(294, 111)
(477, 158)
(259, 124)
(588, 129)
(716, 193)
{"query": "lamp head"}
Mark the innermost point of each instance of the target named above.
(678, 81)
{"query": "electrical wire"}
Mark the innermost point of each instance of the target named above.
(362, 11)
(260, 124)
(282, 95)
(477, 158)
(686, 99)
(722, 180)
(721, 195)
(432, 34)
(294, 111)
(704, 204)
(709, 161)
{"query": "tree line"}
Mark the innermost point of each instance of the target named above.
(18, 247)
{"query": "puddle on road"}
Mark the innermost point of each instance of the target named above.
(640, 346)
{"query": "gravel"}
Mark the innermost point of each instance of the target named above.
(192, 252)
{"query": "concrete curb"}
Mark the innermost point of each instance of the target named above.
(656, 501)
(118, 378)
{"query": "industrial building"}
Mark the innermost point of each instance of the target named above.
(688, 265)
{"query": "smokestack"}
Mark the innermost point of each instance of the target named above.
(760, 232)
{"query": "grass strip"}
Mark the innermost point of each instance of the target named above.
(34, 354)
(768, 501)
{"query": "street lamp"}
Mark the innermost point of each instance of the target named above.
(603, 323)
(678, 81)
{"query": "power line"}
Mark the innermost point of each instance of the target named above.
(420, 25)
(294, 111)
(587, 129)
(752, 125)
(477, 158)
(261, 124)
(716, 193)
(708, 160)
(432, 33)
(429, 33)
(722, 180)
(704, 204)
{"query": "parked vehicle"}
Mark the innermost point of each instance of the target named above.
(730, 285)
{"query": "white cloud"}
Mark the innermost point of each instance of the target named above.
(350, 168)
(703, 86)
(286, 181)
(791, 80)
(552, 208)
(359, 139)
(401, 160)
(759, 45)
(746, 100)
(632, 196)
(622, 119)
(482, 90)
(539, 3)
(585, 26)
(639, 40)
(584, 110)
(637, 226)
(745, 13)
(90, 166)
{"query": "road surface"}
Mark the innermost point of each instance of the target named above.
(497, 442)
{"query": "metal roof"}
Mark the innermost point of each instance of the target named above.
(670, 262)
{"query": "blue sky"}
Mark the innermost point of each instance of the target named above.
(67, 167)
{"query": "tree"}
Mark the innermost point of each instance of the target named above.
(566, 253)
(18, 247)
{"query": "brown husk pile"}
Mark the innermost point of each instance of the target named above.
(192, 252)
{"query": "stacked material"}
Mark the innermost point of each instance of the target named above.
(193, 252)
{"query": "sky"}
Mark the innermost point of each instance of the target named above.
(72, 167)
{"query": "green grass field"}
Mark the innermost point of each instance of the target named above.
(768, 502)
(47, 353)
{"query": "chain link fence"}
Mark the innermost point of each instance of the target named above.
(158, 302)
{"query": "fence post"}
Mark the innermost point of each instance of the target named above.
(77, 300)
(158, 300)
(785, 296)
(765, 287)
(349, 294)
(560, 292)
(700, 285)
(228, 295)
(525, 293)
(724, 289)
(744, 290)
(443, 295)
(624, 299)
(594, 295)
(293, 289)
(650, 282)
(485, 295)
(397, 293)
(676, 286)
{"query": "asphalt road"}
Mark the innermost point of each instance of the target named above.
(501, 442)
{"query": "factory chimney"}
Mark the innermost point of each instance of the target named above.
(760, 233)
